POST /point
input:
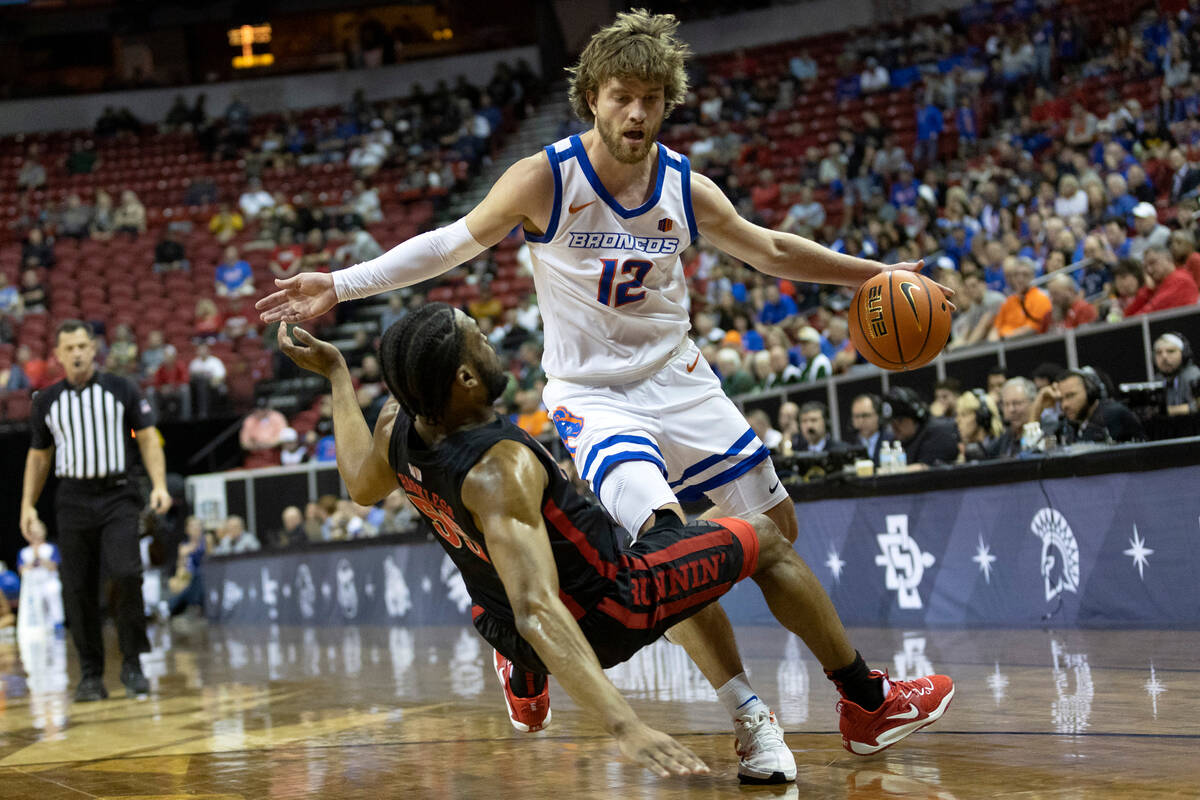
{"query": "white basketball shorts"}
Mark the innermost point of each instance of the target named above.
(680, 421)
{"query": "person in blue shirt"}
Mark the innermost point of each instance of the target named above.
(1122, 201)
(904, 190)
(778, 306)
(929, 129)
(234, 276)
(967, 123)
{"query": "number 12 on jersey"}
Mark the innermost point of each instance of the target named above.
(627, 290)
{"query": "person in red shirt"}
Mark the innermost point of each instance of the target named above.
(286, 257)
(171, 372)
(1068, 309)
(1167, 286)
(1183, 250)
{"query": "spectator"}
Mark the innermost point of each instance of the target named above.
(734, 379)
(1183, 251)
(37, 250)
(103, 223)
(32, 174)
(318, 256)
(1184, 178)
(76, 219)
(226, 223)
(10, 298)
(782, 371)
(777, 306)
(1174, 365)
(1071, 200)
(803, 68)
(979, 425)
(83, 159)
(1016, 400)
(816, 364)
(286, 258)
(977, 308)
(865, 413)
(1068, 309)
(13, 378)
(814, 430)
(805, 217)
(531, 416)
(365, 202)
(262, 427)
(1167, 286)
(171, 386)
(169, 255)
(153, 354)
(291, 450)
(1026, 306)
(927, 440)
(208, 319)
(1149, 232)
(206, 379)
(34, 297)
(760, 423)
(130, 216)
(234, 277)
(292, 533)
(398, 514)
(256, 200)
(1086, 414)
(929, 128)
(360, 246)
(945, 397)
(186, 584)
(486, 305)
(233, 538)
(122, 353)
(874, 77)
(1128, 280)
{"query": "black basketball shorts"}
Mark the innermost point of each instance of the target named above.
(670, 573)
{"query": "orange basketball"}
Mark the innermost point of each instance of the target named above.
(899, 320)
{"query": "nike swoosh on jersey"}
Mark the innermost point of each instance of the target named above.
(692, 366)
(582, 206)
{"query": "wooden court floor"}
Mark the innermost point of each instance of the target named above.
(370, 712)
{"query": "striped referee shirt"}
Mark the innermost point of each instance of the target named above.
(88, 426)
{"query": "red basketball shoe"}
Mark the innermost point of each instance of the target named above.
(527, 714)
(907, 707)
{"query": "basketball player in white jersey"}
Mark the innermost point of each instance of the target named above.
(606, 215)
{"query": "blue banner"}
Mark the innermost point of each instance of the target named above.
(1116, 550)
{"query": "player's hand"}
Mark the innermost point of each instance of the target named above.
(29, 517)
(917, 267)
(160, 501)
(300, 297)
(658, 752)
(310, 352)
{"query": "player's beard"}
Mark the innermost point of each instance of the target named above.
(495, 379)
(621, 147)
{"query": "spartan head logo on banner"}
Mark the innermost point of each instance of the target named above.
(1060, 553)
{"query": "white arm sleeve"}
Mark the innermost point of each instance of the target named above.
(417, 259)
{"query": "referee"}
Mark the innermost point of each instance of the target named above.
(82, 423)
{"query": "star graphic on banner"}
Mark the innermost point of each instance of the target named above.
(997, 682)
(984, 559)
(1138, 552)
(1154, 687)
(835, 565)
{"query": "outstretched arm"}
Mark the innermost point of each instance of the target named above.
(777, 253)
(503, 492)
(361, 457)
(523, 195)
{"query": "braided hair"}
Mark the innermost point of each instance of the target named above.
(419, 355)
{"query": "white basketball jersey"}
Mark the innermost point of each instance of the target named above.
(609, 281)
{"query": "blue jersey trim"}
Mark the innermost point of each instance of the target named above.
(620, 438)
(620, 458)
(703, 464)
(602, 193)
(686, 179)
(694, 493)
(552, 228)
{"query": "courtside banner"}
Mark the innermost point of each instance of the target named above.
(1117, 550)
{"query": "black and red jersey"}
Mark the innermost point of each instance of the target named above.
(586, 542)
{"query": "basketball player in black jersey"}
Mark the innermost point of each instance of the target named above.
(554, 592)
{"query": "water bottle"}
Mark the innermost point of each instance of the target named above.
(899, 458)
(887, 462)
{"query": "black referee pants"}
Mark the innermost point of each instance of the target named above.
(98, 529)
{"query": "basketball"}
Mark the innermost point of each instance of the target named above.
(899, 320)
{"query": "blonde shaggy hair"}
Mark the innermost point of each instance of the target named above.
(638, 45)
